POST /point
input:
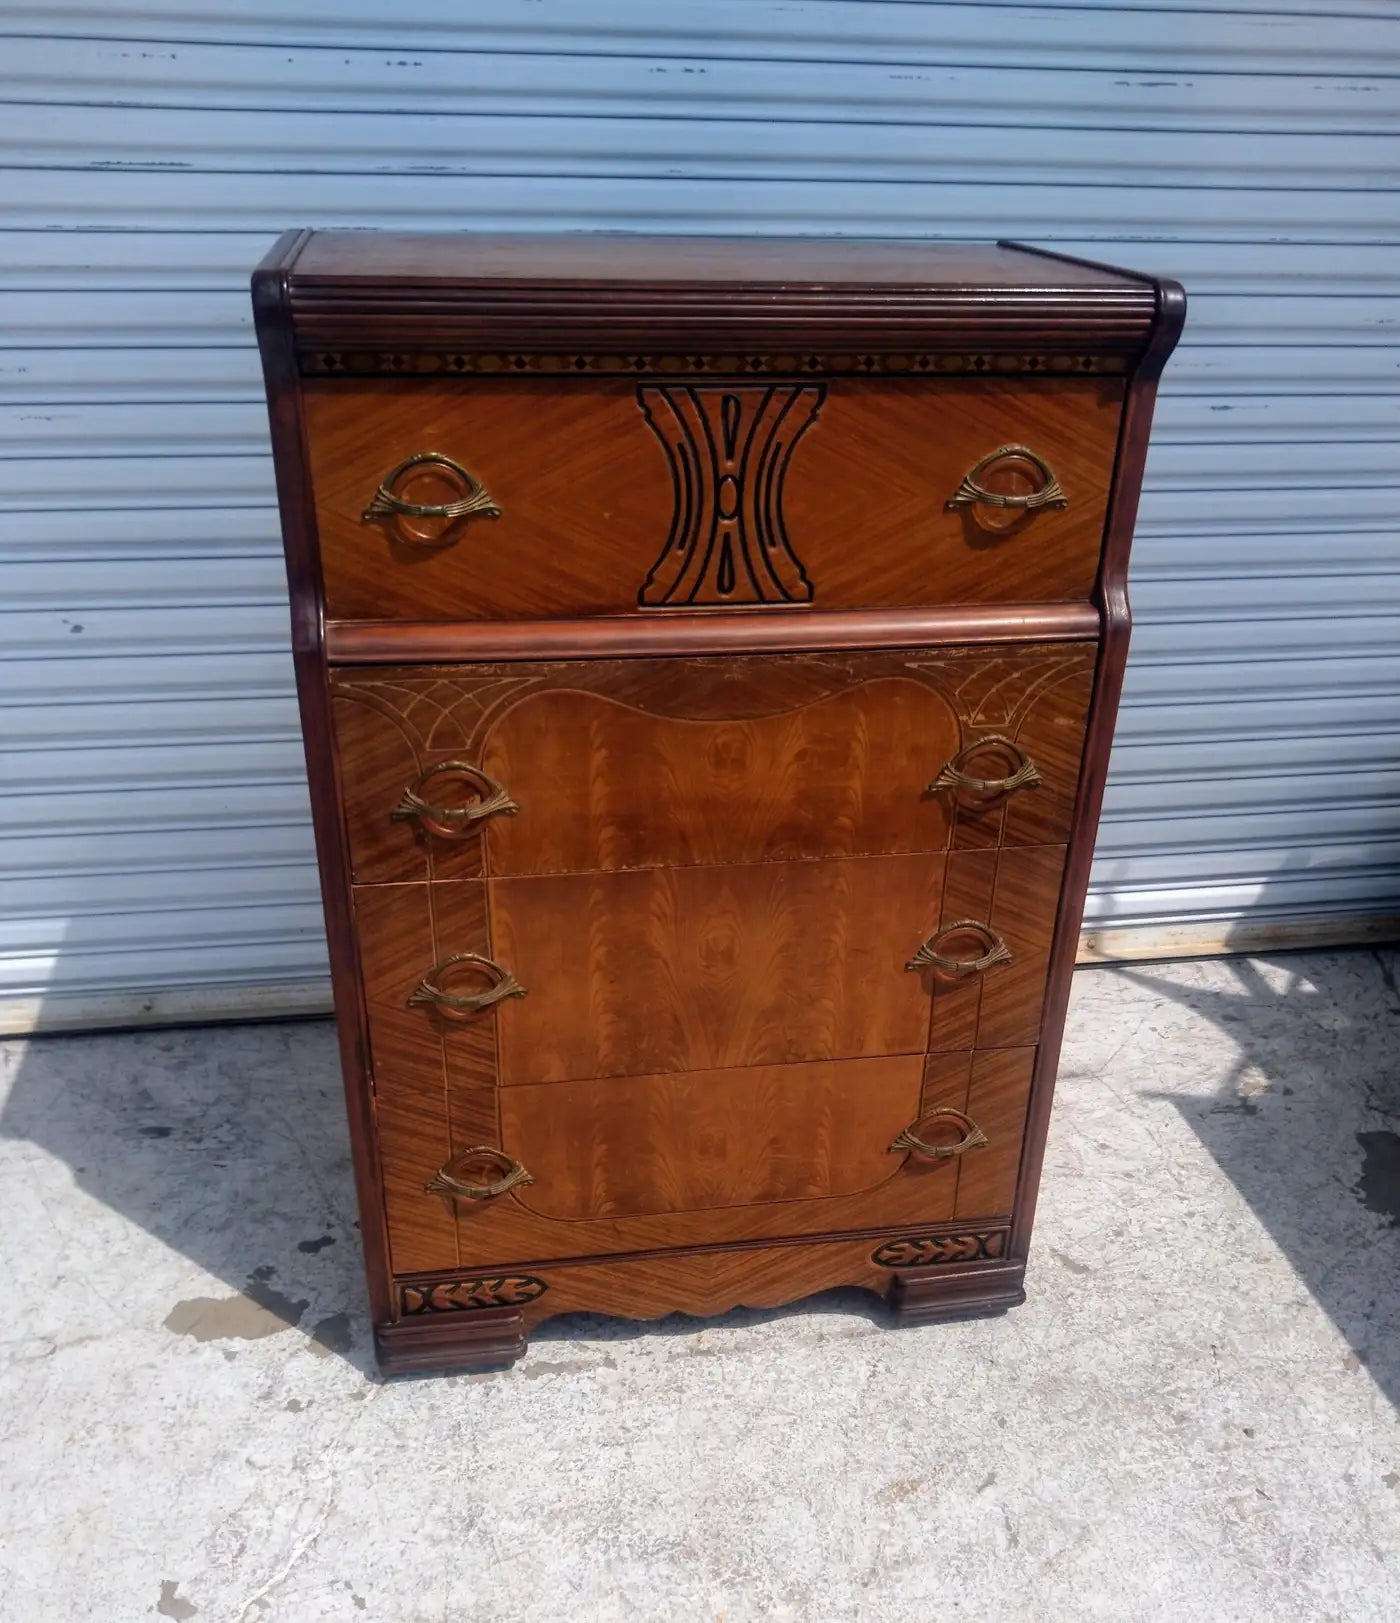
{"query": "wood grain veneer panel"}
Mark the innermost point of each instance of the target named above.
(688, 968)
(606, 786)
(721, 1158)
(583, 486)
(997, 1096)
(645, 1146)
(634, 763)
(866, 492)
(593, 496)
(1016, 893)
(968, 891)
(1050, 729)
(411, 1102)
(703, 1283)
(381, 754)
(709, 1158)
(1023, 914)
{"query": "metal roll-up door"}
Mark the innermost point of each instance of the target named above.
(155, 846)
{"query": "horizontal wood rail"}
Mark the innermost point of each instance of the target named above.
(397, 642)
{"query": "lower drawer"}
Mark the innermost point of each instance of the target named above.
(598, 1167)
(695, 969)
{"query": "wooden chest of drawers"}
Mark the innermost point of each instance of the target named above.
(708, 655)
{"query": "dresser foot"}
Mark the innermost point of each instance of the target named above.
(443, 1343)
(930, 1295)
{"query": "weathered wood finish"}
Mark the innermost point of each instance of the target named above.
(702, 673)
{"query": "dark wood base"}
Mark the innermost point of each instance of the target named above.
(933, 1295)
(481, 1339)
(437, 1335)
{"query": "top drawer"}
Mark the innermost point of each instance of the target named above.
(519, 499)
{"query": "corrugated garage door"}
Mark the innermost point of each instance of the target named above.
(156, 851)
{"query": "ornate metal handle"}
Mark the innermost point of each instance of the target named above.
(505, 985)
(952, 776)
(454, 822)
(1049, 494)
(385, 504)
(447, 1182)
(928, 958)
(909, 1142)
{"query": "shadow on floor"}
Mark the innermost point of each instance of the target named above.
(228, 1145)
(1305, 1123)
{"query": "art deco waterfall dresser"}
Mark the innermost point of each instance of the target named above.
(708, 655)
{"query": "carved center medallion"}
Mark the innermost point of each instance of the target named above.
(728, 446)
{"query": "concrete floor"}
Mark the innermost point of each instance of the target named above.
(1193, 1417)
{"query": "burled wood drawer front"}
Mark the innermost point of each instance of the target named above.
(458, 771)
(701, 1158)
(614, 496)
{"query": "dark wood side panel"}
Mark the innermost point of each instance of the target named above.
(270, 289)
(1112, 597)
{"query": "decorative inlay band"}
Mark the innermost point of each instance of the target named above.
(728, 447)
(451, 710)
(925, 1250)
(461, 1295)
(455, 363)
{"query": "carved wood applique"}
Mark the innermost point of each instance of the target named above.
(728, 447)
(925, 1250)
(464, 1295)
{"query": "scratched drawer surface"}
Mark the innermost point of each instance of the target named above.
(519, 499)
(452, 772)
(703, 1158)
(556, 978)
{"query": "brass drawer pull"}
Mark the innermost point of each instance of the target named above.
(449, 1181)
(927, 957)
(458, 1003)
(909, 1141)
(1026, 774)
(454, 822)
(1049, 494)
(385, 504)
